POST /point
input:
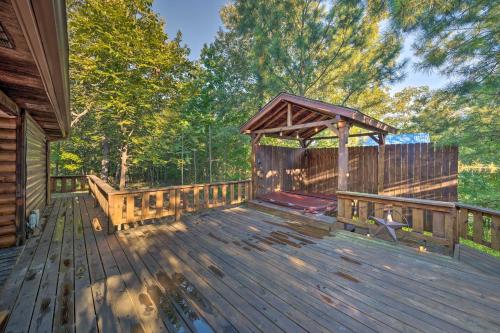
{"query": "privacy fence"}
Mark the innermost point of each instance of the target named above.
(423, 170)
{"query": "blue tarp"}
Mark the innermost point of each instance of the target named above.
(399, 138)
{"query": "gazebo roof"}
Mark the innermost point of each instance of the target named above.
(295, 117)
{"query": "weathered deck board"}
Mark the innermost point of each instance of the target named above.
(234, 270)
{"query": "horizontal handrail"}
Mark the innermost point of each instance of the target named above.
(132, 206)
(409, 202)
(486, 211)
(430, 220)
(478, 224)
(442, 222)
(66, 184)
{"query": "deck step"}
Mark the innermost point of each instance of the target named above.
(319, 221)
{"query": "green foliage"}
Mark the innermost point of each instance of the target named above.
(133, 88)
(126, 78)
(459, 38)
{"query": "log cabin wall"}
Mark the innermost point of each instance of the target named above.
(36, 167)
(423, 170)
(7, 181)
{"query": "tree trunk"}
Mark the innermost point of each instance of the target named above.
(123, 166)
(105, 159)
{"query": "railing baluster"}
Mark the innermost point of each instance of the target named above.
(240, 184)
(171, 202)
(145, 206)
(363, 211)
(438, 224)
(418, 220)
(463, 220)
(231, 193)
(159, 204)
(224, 194)
(397, 215)
(206, 195)
(216, 195)
(196, 197)
(379, 210)
(247, 191)
(177, 205)
(130, 210)
(477, 227)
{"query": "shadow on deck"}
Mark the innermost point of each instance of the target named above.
(235, 270)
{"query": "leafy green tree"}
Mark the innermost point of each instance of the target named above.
(459, 38)
(124, 72)
(328, 50)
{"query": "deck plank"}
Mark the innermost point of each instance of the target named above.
(115, 294)
(384, 290)
(233, 270)
(106, 320)
(20, 318)
(85, 314)
(46, 299)
(305, 284)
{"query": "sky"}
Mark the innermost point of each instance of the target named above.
(199, 21)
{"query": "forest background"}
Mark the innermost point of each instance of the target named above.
(144, 114)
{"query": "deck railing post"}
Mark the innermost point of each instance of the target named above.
(177, 205)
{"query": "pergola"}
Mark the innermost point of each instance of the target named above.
(294, 117)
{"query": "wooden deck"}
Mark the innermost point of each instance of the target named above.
(235, 270)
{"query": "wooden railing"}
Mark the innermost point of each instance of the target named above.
(64, 184)
(481, 225)
(429, 219)
(132, 206)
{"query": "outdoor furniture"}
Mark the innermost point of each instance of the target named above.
(387, 223)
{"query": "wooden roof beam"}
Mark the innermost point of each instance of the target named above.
(370, 134)
(294, 127)
(273, 118)
(7, 105)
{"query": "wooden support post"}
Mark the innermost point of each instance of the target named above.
(255, 142)
(115, 212)
(381, 164)
(289, 115)
(343, 158)
(450, 228)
